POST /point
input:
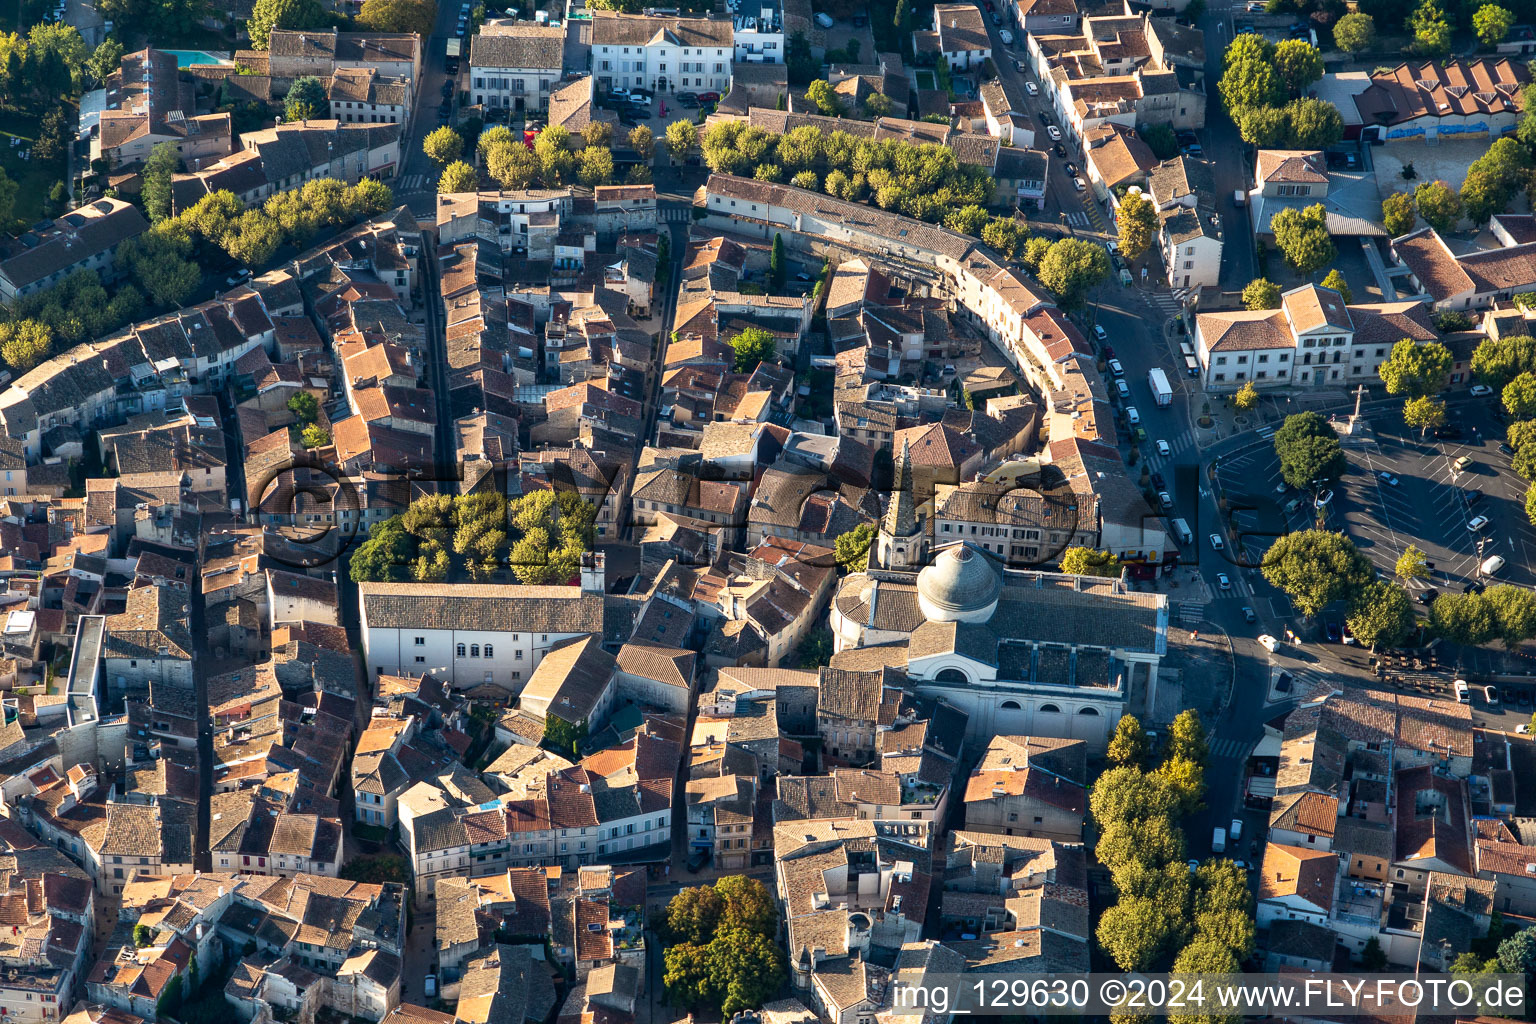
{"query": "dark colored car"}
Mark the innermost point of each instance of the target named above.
(1058, 148)
(1474, 496)
(1158, 482)
(1043, 118)
(453, 65)
(1473, 588)
(1505, 448)
(1428, 596)
(692, 102)
(1449, 432)
(683, 97)
(1071, 168)
(448, 88)
(1511, 696)
(1333, 631)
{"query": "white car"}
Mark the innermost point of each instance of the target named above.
(1387, 478)
(1476, 523)
(1222, 582)
(1323, 499)
(1077, 183)
(1479, 390)
(1115, 369)
(1165, 500)
(1032, 88)
(1269, 643)
(1053, 132)
(1100, 333)
(1523, 729)
(1163, 449)
(1216, 542)
(1123, 390)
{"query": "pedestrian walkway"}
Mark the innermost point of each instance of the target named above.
(1229, 749)
(1078, 219)
(675, 214)
(1191, 611)
(409, 183)
(1165, 303)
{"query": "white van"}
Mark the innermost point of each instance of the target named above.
(1182, 531)
(1463, 695)
(1134, 419)
(1492, 564)
(1236, 831)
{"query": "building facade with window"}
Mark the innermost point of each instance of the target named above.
(514, 67)
(468, 635)
(631, 51)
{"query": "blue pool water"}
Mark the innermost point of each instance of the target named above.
(186, 58)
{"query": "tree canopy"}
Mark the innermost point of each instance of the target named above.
(1261, 293)
(722, 951)
(1302, 235)
(1309, 451)
(1415, 369)
(1315, 568)
(1072, 267)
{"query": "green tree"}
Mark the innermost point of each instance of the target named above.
(1519, 396)
(306, 100)
(155, 190)
(1072, 267)
(1129, 745)
(1185, 780)
(1145, 842)
(815, 649)
(1309, 451)
(1520, 434)
(642, 141)
(1261, 294)
(827, 102)
(686, 974)
(1265, 127)
(1335, 280)
(1186, 737)
(1497, 361)
(877, 105)
(1313, 123)
(1247, 397)
(1138, 225)
(1416, 370)
(269, 15)
(1007, 236)
(1381, 615)
(598, 133)
(1492, 24)
(1034, 251)
(305, 406)
(778, 270)
(562, 737)
(1517, 954)
(1484, 194)
(693, 915)
(24, 344)
(681, 138)
(1298, 64)
(853, 547)
(1302, 235)
(1128, 793)
(159, 266)
(458, 177)
(1411, 565)
(105, 59)
(1355, 33)
(315, 436)
(1160, 139)
(143, 935)
(512, 165)
(594, 166)
(1136, 933)
(1431, 32)
(1438, 204)
(968, 220)
(443, 145)
(1315, 568)
(1466, 619)
(1081, 561)
(753, 345)
(1514, 613)
(1424, 412)
(553, 150)
(1249, 79)
(416, 16)
(1398, 214)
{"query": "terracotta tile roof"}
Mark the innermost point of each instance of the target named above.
(1298, 871)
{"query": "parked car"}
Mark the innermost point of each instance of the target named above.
(1071, 168)
(1078, 184)
(1100, 334)
(1059, 149)
(1163, 449)
(1332, 630)
(238, 277)
(1387, 478)
(1428, 595)
(1505, 449)
(1474, 496)
(1123, 390)
(1491, 695)
(1479, 390)
(1269, 643)
(1165, 500)
(1006, 36)
(1159, 482)
(1323, 499)
(1029, 87)
(1044, 118)
(1449, 432)
(1349, 638)
(1465, 462)
(448, 87)
(709, 97)
(1476, 523)
(1473, 588)
(682, 96)
(1115, 369)
(1053, 132)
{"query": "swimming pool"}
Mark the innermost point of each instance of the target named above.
(186, 58)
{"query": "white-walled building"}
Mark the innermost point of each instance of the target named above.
(469, 634)
(662, 54)
(515, 66)
(759, 33)
(963, 38)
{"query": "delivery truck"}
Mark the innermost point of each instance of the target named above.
(1158, 381)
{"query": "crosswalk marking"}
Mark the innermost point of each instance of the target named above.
(1165, 303)
(412, 183)
(1230, 748)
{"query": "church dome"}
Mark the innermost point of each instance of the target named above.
(962, 585)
